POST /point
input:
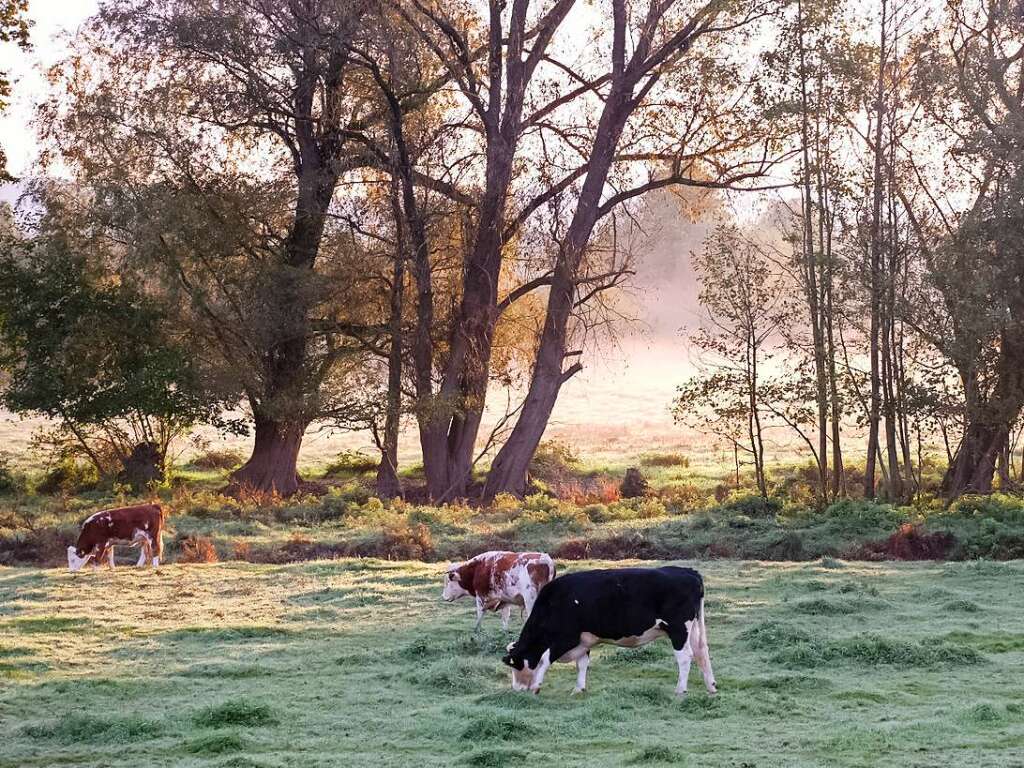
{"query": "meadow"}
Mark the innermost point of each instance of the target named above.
(359, 663)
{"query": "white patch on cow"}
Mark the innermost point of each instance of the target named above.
(75, 563)
(453, 589)
(576, 601)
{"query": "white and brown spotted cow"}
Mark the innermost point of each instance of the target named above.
(140, 526)
(499, 580)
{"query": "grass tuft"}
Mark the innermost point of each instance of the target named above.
(235, 712)
(87, 729)
(656, 754)
(497, 728)
(962, 606)
(873, 650)
(216, 744)
(495, 758)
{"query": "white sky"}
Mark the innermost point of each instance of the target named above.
(52, 20)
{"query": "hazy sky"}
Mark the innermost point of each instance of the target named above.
(631, 384)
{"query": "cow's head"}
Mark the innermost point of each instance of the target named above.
(453, 584)
(77, 559)
(525, 676)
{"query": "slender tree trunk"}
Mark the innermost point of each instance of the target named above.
(388, 483)
(876, 268)
(810, 269)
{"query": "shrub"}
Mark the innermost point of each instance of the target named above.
(553, 460)
(351, 463)
(401, 540)
(217, 458)
(196, 549)
(241, 550)
(665, 460)
(634, 484)
(752, 505)
(9, 481)
(684, 497)
(70, 477)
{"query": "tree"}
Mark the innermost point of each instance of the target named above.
(215, 137)
(651, 46)
(968, 301)
(743, 293)
(94, 354)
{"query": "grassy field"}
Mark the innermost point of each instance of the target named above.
(358, 662)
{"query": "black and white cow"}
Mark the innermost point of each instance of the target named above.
(625, 606)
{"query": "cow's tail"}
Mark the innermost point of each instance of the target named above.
(158, 549)
(699, 632)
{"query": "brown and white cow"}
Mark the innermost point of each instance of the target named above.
(499, 580)
(140, 526)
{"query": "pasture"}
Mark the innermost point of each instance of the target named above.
(359, 663)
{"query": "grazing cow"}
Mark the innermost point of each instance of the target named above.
(499, 580)
(140, 526)
(628, 607)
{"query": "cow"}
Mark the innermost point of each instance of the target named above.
(140, 526)
(626, 606)
(499, 580)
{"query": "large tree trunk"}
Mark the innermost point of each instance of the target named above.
(463, 391)
(987, 432)
(508, 471)
(272, 466)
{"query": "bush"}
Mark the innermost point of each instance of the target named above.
(752, 505)
(197, 549)
(351, 463)
(684, 497)
(69, 477)
(217, 459)
(9, 481)
(665, 460)
(553, 460)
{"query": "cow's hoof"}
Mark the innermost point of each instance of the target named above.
(680, 694)
(577, 691)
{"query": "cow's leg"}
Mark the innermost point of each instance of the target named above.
(678, 634)
(529, 598)
(581, 672)
(542, 669)
(142, 556)
(699, 645)
(110, 556)
(479, 614)
(158, 549)
(506, 614)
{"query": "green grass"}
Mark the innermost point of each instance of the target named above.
(264, 666)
